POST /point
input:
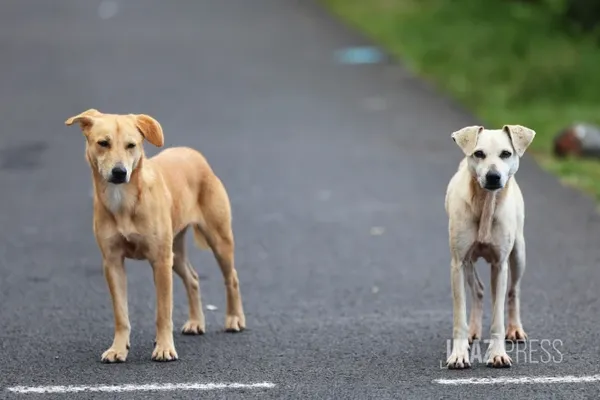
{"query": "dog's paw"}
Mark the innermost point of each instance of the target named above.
(114, 355)
(193, 328)
(459, 359)
(499, 360)
(164, 352)
(515, 333)
(235, 323)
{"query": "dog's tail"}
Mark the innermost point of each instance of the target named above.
(200, 239)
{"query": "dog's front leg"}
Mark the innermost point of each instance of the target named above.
(476, 301)
(459, 358)
(496, 353)
(114, 272)
(164, 349)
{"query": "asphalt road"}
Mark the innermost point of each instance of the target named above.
(336, 174)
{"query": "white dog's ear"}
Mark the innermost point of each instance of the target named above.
(520, 136)
(466, 138)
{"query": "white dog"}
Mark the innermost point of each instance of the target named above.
(486, 215)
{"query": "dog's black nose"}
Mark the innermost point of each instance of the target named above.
(492, 180)
(118, 174)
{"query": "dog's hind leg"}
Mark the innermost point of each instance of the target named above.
(514, 331)
(216, 229)
(182, 267)
(477, 290)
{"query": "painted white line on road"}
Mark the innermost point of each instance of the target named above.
(521, 380)
(139, 388)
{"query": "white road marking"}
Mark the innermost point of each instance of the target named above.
(520, 380)
(139, 388)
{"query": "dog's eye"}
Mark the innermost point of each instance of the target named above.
(103, 143)
(505, 154)
(131, 145)
(479, 154)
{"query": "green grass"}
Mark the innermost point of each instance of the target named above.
(504, 60)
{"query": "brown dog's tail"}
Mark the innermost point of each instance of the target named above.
(200, 239)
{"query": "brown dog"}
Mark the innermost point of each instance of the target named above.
(142, 209)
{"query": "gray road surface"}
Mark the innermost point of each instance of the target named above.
(336, 174)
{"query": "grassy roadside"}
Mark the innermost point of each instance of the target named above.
(503, 60)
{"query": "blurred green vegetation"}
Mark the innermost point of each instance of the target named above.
(529, 62)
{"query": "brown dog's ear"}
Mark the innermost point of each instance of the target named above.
(520, 136)
(466, 138)
(85, 119)
(150, 129)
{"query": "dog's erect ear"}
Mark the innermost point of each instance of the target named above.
(150, 129)
(466, 138)
(520, 136)
(85, 119)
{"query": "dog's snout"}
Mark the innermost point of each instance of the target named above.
(118, 174)
(493, 177)
(492, 180)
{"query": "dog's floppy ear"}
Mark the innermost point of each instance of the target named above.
(466, 138)
(520, 136)
(85, 119)
(150, 129)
